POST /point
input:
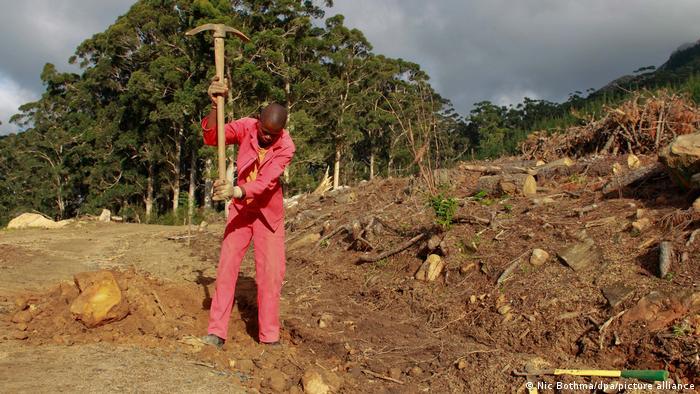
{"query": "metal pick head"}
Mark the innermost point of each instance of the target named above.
(219, 30)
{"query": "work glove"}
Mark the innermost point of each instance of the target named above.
(223, 190)
(217, 88)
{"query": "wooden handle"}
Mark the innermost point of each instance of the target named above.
(221, 137)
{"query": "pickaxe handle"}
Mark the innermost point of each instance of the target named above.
(220, 133)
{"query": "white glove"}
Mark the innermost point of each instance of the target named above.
(223, 190)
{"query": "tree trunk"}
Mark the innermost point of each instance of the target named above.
(208, 184)
(336, 168)
(371, 166)
(149, 192)
(176, 169)
(190, 196)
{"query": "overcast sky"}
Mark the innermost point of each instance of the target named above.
(498, 50)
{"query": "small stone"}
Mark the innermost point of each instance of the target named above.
(20, 335)
(633, 161)
(543, 201)
(582, 255)
(306, 240)
(640, 213)
(415, 371)
(504, 309)
(472, 299)
(395, 373)
(106, 216)
(462, 364)
(313, 383)
(277, 381)
(295, 390)
(466, 268)
(617, 293)
(325, 320)
(538, 257)
(203, 225)
(232, 364)
(22, 326)
(431, 268)
(641, 224)
(696, 205)
(21, 303)
(245, 365)
(616, 168)
(24, 316)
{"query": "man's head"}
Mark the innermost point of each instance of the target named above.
(272, 121)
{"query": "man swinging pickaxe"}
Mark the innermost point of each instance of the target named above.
(256, 212)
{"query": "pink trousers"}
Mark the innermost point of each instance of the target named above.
(269, 273)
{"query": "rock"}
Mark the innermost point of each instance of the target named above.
(34, 220)
(105, 216)
(538, 257)
(395, 373)
(696, 205)
(466, 268)
(306, 240)
(581, 255)
(617, 293)
(277, 381)
(543, 201)
(415, 371)
(20, 335)
(682, 158)
(633, 161)
(346, 198)
(295, 390)
(641, 224)
(462, 364)
(616, 168)
(658, 310)
(86, 279)
(666, 256)
(472, 299)
(22, 303)
(24, 316)
(503, 310)
(640, 213)
(325, 320)
(22, 326)
(431, 268)
(99, 303)
(313, 383)
(245, 365)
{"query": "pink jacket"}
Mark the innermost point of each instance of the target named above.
(265, 190)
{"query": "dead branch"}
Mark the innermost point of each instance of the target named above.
(619, 182)
(400, 248)
(376, 375)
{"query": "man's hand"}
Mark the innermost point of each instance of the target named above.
(217, 88)
(223, 190)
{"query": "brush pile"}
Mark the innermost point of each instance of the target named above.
(642, 124)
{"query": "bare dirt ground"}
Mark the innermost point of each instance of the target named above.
(372, 327)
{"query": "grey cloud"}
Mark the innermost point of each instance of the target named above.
(498, 50)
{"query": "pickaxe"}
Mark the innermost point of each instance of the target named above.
(220, 31)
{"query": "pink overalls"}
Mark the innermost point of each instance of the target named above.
(259, 217)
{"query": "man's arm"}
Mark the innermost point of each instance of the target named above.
(267, 176)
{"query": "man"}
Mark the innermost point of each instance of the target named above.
(256, 212)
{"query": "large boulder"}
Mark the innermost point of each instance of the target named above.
(34, 220)
(100, 301)
(682, 158)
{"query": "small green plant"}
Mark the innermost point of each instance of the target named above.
(381, 263)
(445, 208)
(669, 276)
(680, 330)
(323, 243)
